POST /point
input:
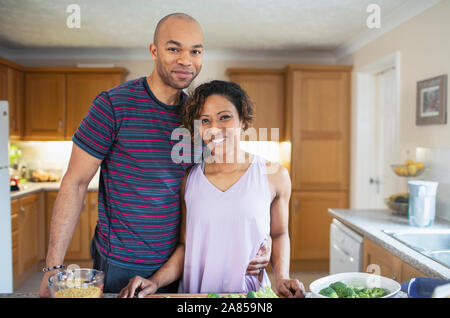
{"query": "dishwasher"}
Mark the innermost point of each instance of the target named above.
(346, 249)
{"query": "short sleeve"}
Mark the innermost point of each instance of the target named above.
(95, 134)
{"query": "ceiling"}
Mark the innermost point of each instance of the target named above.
(274, 25)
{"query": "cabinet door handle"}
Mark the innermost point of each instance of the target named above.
(297, 206)
(60, 124)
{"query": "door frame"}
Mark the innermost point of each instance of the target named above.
(363, 127)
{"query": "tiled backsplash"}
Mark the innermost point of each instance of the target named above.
(51, 156)
(437, 168)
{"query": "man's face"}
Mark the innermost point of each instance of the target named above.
(178, 52)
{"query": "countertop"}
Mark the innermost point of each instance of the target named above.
(35, 295)
(370, 223)
(33, 187)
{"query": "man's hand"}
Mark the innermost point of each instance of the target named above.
(290, 288)
(261, 260)
(138, 287)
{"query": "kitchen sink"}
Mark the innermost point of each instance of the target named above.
(433, 243)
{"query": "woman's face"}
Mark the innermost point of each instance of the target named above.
(221, 125)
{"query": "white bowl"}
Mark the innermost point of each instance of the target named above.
(355, 280)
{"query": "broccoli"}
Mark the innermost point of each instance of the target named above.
(350, 293)
(266, 292)
(213, 295)
(329, 292)
(378, 292)
(251, 294)
(344, 291)
(341, 289)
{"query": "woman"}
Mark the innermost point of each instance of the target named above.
(230, 206)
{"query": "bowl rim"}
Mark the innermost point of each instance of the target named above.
(336, 277)
(97, 273)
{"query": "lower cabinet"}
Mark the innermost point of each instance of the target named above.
(25, 234)
(79, 245)
(309, 227)
(390, 265)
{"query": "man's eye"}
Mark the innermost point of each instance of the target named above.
(197, 52)
(173, 49)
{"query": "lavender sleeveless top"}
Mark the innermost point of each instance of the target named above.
(224, 231)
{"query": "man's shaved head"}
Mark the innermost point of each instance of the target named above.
(161, 22)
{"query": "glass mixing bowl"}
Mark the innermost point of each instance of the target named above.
(76, 283)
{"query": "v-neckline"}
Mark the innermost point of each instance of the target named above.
(234, 184)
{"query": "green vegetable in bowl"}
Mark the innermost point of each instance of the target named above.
(329, 292)
(342, 290)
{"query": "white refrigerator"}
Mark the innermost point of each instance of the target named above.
(6, 275)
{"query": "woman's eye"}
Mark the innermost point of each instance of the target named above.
(224, 117)
(205, 121)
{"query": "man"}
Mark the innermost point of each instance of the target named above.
(127, 132)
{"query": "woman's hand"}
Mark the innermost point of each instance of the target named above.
(138, 287)
(290, 288)
(261, 260)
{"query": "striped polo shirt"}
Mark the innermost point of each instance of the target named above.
(129, 129)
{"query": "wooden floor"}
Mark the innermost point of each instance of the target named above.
(33, 283)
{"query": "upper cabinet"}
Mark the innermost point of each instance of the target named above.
(3, 82)
(81, 91)
(49, 103)
(12, 89)
(319, 126)
(44, 106)
(16, 97)
(265, 87)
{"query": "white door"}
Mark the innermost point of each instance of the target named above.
(376, 126)
(385, 151)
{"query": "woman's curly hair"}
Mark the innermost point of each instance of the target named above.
(230, 90)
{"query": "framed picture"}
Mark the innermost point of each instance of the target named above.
(431, 106)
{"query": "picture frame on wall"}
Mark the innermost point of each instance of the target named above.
(431, 106)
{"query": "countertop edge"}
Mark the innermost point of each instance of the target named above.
(417, 260)
(36, 187)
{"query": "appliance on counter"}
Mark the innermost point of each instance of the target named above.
(346, 249)
(6, 281)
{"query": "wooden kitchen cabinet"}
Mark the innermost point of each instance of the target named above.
(318, 126)
(28, 232)
(15, 207)
(16, 98)
(25, 236)
(79, 245)
(390, 265)
(3, 82)
(12, 89)
(309, 227)
(319, 113)
(44, 106)
(81, 90)
(266, 89)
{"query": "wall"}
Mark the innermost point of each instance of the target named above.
(424, 48)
